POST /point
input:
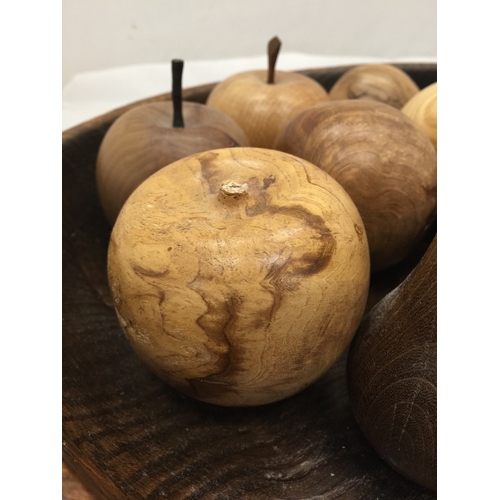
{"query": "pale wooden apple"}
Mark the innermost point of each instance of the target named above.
(422, 109)
(239, 275)
(378, 82)
(383, 160)
(263, 102)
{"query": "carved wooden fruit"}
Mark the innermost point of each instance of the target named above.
(151, 136)
(391, 374)
(378, 82)
(382, 159)
(262, 102)
(239, 275)
(422, 109)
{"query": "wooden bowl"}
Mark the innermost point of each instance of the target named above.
(127, 435)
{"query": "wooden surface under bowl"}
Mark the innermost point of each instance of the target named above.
(127, 435)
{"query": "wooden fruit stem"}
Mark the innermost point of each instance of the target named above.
(177, 66)
(232, 191)
(273, 48)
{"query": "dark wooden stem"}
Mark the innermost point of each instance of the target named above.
(273, 48)
(177, 66)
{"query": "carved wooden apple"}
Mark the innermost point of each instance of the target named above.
(422, 109)
(263, 102)
(391, 374)
(239, 275)
(150, 136)
(383, 160)
(378, 82)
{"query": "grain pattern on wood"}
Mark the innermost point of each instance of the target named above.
(392, 377)
(422, 109)
(377, 82)
(263, 109)
(239, 275)
(72, 488)
(128, 435)
(143, 140)
(384, 161)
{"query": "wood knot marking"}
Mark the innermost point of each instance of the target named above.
(141, 271)
(232, 190)
(359, 231)
(268, 181)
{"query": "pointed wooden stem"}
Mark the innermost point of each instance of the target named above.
(273, 48)
(177, 66)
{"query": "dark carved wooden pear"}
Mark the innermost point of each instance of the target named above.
(391, 374)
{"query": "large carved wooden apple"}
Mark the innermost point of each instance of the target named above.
(382, 159)
(239, 275)
(151, 136)
(263, 102)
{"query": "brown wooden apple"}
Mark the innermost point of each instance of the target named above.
(422, 109)
(382, 159)
(263, 102)
(239, 275)
(151, 136)
(379, 82)
(391, 374)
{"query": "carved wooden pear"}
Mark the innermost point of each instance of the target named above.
(391, 374)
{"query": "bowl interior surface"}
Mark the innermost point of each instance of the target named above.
(126, 434)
